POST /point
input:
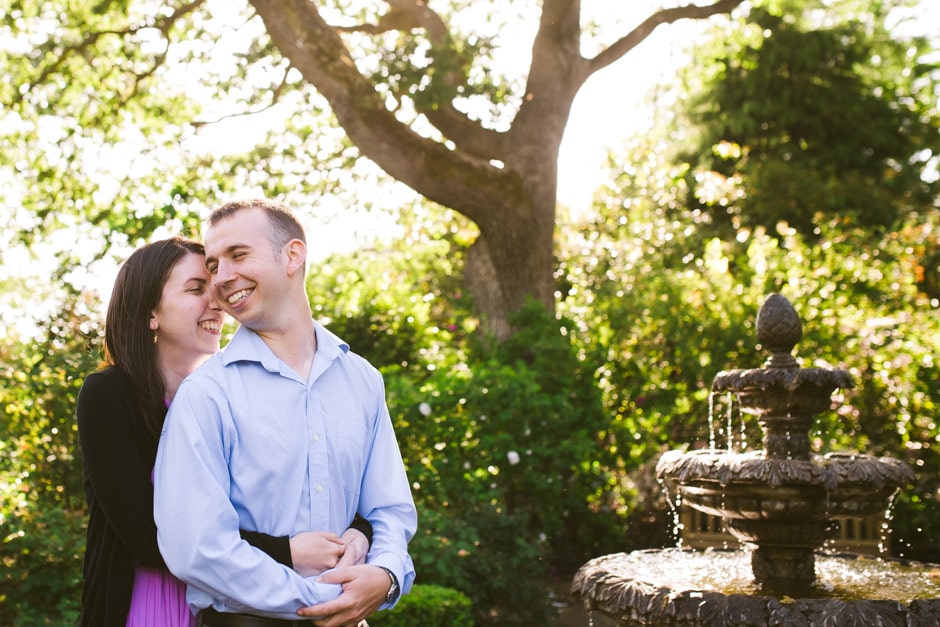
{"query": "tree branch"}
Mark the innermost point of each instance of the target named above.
(88, 41)
(646, 28)
(318, 52)
(407, 15)
(276, 94)
(556, 73)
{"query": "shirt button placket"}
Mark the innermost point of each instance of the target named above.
(317, 451)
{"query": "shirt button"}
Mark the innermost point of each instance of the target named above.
(316, 437)
(319, 487)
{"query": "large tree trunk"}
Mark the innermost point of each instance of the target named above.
(504, 181)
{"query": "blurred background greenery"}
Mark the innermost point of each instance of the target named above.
(795, 152)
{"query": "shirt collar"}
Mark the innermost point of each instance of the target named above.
(246, 345)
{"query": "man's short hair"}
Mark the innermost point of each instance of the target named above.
(283, 225)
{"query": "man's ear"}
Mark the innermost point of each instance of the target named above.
(296, 252)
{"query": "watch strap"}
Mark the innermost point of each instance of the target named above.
(393, 588)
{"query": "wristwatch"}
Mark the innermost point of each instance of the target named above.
(393, 589)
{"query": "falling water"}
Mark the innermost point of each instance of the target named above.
(712, 438)
(743, 431)
(729, 430)
(729, 422)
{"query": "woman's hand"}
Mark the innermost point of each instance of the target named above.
(313, 552)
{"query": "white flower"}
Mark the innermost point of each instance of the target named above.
(513, 458)
(425, 409)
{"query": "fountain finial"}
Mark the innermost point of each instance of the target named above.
(779, 329)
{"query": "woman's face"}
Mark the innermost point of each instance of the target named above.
(187, 322)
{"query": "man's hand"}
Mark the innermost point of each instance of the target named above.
(313, 552)
(364, 590)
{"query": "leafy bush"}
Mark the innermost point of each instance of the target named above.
(428, 606)
(41, 550)
(42, 514)
(503, 452)
(401, 306)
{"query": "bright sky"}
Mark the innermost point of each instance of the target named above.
(610, 108)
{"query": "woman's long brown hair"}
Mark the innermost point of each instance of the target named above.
(129, 342)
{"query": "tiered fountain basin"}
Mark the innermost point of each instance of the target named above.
(750, 487)
(714, 587)
(781, 502)
(783, 509)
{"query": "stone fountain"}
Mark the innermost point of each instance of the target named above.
(780, 502)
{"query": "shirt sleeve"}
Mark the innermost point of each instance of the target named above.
(116, 470)
(278, 547)
(387, 503)
(198, 527)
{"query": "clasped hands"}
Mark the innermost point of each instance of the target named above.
(313, 553)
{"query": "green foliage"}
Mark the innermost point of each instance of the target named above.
(42, 511)
(915, 526)
(665, 280)
(665, 309)
(41, 383)
(500, 440)
(502, 453)
(41, 549)
(428, 606)
(101, 124)
(60, 103)
(399, 305)
(801, 120)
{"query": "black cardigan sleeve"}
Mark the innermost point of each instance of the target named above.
(361, 524)
(118, 458)
(118, 455)
(278, 547)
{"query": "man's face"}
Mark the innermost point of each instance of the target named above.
(246, 271)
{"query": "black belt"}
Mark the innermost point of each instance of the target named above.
(211, 618)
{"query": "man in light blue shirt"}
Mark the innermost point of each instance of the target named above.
(284, 430)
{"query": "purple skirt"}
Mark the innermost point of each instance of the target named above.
(158, 600)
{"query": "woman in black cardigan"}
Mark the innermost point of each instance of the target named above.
(161, 324)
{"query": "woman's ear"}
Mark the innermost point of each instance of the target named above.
(154, 325)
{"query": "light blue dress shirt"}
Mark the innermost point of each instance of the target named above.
(248, 444)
